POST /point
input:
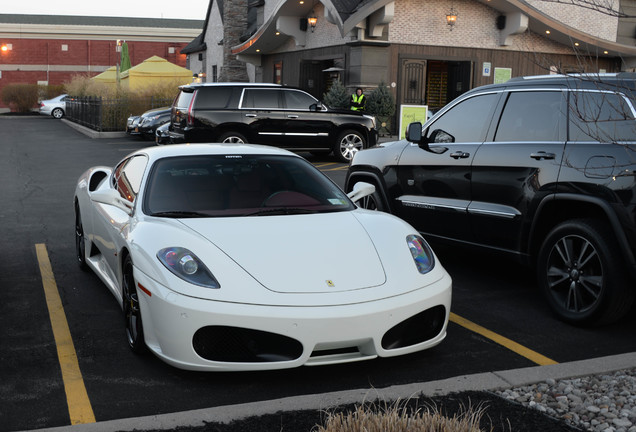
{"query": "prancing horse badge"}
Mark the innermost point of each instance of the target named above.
(330, 283)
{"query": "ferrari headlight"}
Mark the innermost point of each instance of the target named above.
(421, 253)
(187, 266)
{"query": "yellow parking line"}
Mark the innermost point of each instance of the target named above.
(324, 164)
(79, 406)
(339, 168)
(507, 343)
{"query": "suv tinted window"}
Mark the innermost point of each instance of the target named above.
(184, 99)
(261, 98)
(601, 116)
(297, 100)
(532, 116)
(467, 121)
(214, 97)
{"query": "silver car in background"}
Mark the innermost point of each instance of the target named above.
(55, 107)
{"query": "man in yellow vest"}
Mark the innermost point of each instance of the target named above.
(357, 100)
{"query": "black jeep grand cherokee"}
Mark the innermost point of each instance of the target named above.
(268, 114)
(543, 168)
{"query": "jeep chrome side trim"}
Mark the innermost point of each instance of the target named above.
(433, 203)
(476, 207)
(490, 209)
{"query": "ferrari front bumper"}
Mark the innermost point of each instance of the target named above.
(197, 334)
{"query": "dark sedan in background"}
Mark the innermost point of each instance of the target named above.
(146, 124)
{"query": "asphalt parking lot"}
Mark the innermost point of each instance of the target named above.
(499, 321)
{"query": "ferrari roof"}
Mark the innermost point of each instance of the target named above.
(160, 152)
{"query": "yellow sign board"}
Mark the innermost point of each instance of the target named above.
(502, 75)
(410, 114)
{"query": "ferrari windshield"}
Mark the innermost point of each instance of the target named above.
(239, 185)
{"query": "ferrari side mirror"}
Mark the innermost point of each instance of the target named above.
(112, 197)
(361, 190)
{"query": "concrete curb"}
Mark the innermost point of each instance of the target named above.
(93, 133)
(477, 382)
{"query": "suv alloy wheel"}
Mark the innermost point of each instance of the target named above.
(582, 274)
(348, 144)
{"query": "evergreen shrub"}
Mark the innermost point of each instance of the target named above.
(337, 96)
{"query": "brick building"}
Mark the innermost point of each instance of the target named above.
(427, 52)
(51, 49)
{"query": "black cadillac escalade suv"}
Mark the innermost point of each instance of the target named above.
(542, 168)
(268, 114)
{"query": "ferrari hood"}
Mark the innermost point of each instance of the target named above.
(318, 253)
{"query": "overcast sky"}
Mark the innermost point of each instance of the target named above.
(190, 9)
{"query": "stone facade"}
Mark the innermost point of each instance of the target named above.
(425, 24)
(234, 26)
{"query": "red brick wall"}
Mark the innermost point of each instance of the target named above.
(34, 56)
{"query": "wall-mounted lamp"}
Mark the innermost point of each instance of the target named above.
(451, 18)
(197, 78)
(312, 20)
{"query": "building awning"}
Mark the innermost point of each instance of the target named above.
(285, 23)
(542, 24)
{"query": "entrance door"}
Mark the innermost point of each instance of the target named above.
(311, 77)
(433, 82)
(412, 82)
(459, 78)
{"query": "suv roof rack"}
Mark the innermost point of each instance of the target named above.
(587, 76)
(219, 84)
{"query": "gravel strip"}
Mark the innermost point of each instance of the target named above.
(599, 403)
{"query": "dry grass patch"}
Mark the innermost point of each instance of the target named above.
(399, 417)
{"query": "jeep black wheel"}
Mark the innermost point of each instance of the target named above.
(581, 272)
(232, 138)
(132, 311)
(348, 144)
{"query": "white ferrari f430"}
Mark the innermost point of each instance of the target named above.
(246, 257)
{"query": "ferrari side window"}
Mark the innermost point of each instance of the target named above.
(128, 177)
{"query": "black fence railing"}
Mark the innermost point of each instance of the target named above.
(107, 115)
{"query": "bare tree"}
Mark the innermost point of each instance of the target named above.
(606, 7)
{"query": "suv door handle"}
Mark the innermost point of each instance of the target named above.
(292, 116)
(250, 115)
(542, 155)
(459, 155)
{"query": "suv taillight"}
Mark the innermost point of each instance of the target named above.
(190, 120)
